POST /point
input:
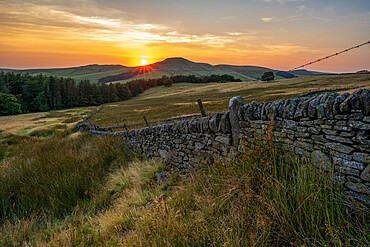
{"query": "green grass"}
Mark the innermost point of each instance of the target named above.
(60, 188)
(161, 102)
(53, 176)
(263, 196)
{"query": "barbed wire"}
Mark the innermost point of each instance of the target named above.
(332, 55)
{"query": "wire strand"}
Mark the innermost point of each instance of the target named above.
(332, 55)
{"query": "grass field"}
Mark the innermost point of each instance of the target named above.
(160, 103)
(61, 188)
(178, 100)
(22, 124)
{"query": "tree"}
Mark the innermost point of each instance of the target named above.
(123, 91)
(168, 82)
(268, 76)
(9, 104)
(40, 103)
(112, 93)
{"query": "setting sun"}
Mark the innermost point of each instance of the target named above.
(144, 62)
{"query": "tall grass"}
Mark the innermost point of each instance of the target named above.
(265, 197)
(53, 176)
(83, 192)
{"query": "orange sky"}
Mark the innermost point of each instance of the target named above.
(280, 34)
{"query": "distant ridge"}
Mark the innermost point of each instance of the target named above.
(169, 67)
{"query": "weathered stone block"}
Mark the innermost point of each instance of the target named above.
(357, 196)
(311, 110)
(234, 106)
(348, 163)
(337, 102)
(223, 139)
(364, 95)
(356, 116)
(314, 130)
(225, 126)
(325, 126)
(306, 123)
(347, 134)
(329, 105)
(199, 146)
(365, 175)
(358, 125)
(341, 117)
(345, 106)
(339, 139)
(303, 145)
(342, 128)
(321, 111)
(302, 135)
(347, 171)
(321, 160)
(163, 154)
(362, 157)
(290, 124)
(275, 110)
(358, 187)
(289, 108)
(319, 138)
(339, 147)
(330, 132)
(353, 179)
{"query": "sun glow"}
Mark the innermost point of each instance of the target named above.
(144, 62)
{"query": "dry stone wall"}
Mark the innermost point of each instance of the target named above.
(331, 129)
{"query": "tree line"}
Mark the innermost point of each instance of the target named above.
(24, 93)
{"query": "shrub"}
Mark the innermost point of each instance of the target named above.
(167, 82)
(268, 76)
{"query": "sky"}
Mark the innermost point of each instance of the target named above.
(280, 34)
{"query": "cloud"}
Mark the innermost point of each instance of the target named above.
(273, 19)
(234, 33)
(267, 19)
(120, 31)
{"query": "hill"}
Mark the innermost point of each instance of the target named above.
(304, 72)
(168, 67)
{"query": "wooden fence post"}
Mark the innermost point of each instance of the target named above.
(146, 122)
(201, 108)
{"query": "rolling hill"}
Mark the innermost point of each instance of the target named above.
(169, 67)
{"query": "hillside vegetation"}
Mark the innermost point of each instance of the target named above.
(61, 188)
(181, 98)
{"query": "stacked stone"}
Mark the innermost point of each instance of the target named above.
(331, 128)
(183, 144)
